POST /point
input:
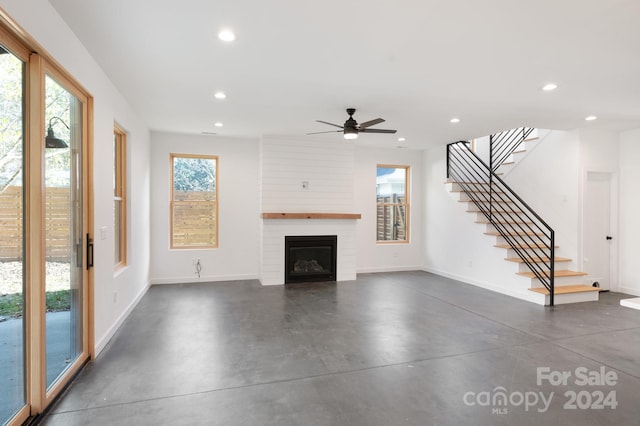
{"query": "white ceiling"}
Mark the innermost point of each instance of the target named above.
(415, 63)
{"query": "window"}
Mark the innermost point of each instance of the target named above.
(194, 201)
(392, 197)
(119, 196)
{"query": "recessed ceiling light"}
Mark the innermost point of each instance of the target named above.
(590, 118)
(401, 139)
(454, 120)
(226, 35)
(218, 124)
(549, 87)
(220, 95)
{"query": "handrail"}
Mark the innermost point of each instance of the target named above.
(528, 235)
(503, 144)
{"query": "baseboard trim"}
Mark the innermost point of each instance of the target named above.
(202, 279)
(629, 290)
(373, 270)
(528, 296)
(104, 341)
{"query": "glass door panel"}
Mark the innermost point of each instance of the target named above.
(12, 267)
(63, 229)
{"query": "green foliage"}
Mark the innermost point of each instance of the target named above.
(58, 300)
(11, 125)
(11, 305)
(194, 174)
(58, 103)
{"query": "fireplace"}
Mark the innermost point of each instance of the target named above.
(310, 258)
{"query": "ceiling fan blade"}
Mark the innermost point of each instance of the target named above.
(330, 124)
(377, 131)
(330, 131)
(371, 123)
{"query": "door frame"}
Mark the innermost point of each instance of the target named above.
(39, 63)
(613, 219)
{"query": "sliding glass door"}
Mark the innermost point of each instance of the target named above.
(63, 228)
(12, 265)
(44, 223)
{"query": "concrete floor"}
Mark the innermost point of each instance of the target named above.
(58, 334)
(406, 348)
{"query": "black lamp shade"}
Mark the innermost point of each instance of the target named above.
(51, 141)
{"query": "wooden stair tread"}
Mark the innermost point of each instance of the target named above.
(487, 201)
(538, 259)
(565, 289)
(557, 274)
(523, 246)
(505, 222)
(515, 234)
(478, 191)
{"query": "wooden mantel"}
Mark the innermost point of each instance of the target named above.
(310, 215)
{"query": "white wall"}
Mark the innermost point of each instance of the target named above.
(326, 166)
(236, 257)
(114, 296)
(373, 257)
(548, 179)
(454, 245)
(629, 222)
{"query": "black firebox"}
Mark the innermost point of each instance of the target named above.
(310, 258)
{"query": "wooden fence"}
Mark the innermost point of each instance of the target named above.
(194, 219)
(392, 218)
(57, 222)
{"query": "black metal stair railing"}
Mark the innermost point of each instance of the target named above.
(517, 224)
(504, 144)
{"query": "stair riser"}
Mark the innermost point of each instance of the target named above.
(503, 211)
(535, 283)
(532, 252)
(480, 187)
(522, 240)
(563, 299)
(522, 267)
(483, 196)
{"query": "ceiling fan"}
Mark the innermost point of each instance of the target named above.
(351, 128)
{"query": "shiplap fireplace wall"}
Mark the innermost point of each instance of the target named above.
(302, 176)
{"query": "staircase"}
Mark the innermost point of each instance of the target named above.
(528, 242)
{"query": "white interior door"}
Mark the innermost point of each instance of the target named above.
(597, 228)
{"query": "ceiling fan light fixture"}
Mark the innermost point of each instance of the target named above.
(350, 133)
(226, 35)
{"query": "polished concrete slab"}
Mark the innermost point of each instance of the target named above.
(408, 348)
